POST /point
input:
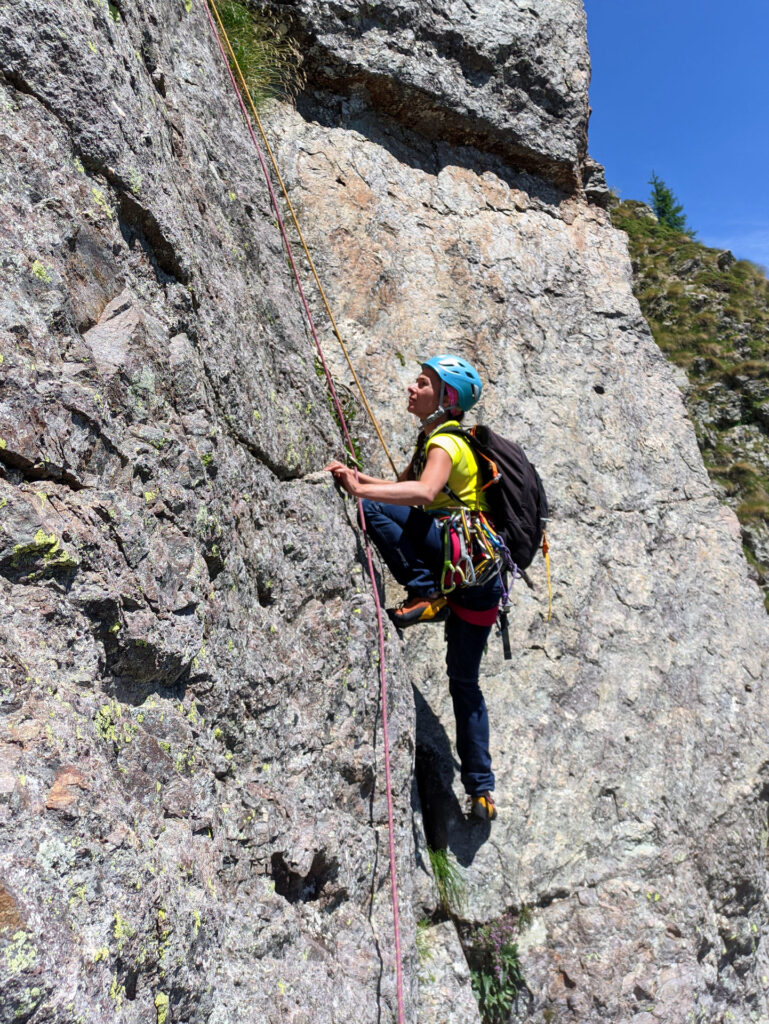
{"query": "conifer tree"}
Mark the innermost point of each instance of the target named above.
(665, 204)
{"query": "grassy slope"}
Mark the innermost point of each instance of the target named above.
(710, 314)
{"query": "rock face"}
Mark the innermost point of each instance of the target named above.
(190, 756)
(505, 76)
(629, 731)
(191, 782)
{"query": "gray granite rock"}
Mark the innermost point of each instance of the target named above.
(192, 814)
(641, 210)
(629, 731)
(445, 995)
(506, 76)
(192, 819)
(594, 181)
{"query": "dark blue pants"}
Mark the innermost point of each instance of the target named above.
(410, 542)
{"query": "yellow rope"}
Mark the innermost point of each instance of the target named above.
(310, 260)
(321, 290)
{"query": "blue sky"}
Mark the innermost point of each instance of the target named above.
(682, 88)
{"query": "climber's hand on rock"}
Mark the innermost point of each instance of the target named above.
(344, 476)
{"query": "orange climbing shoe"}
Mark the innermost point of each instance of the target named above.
(482, 806)
(420, 608)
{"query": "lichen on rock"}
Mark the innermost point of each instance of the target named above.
(192, 812)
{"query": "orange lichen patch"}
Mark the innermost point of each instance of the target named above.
(10, 918)
(63, 792)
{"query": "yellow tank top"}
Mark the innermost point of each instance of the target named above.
(464, 479)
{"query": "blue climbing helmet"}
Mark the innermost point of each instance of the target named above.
(460, 375)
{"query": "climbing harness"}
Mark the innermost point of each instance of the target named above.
(351, 449)
(515, 495)
(472, 550)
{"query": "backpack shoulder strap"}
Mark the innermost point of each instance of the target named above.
(464, 435)
(419, 451)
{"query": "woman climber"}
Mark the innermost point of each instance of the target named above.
(404, 519)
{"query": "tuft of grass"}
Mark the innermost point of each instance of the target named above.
(424, 952)
(754, 511)
(269, 58)
(448, 881)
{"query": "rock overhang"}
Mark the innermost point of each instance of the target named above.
(507, 77)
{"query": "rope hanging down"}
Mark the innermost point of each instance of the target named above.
(246, 91)
(348, 441)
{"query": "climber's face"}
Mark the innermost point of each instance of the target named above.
(424, 394)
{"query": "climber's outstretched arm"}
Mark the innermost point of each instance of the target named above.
(434, 478)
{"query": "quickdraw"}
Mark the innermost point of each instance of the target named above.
(472, 550)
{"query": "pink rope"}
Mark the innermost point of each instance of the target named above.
(369, 560)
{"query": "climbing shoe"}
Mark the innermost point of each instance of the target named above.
(420, 608)
(482, 806)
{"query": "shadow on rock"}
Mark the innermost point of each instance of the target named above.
(446, 824)
(431, 155)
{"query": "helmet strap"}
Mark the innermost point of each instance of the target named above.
(440, 411)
